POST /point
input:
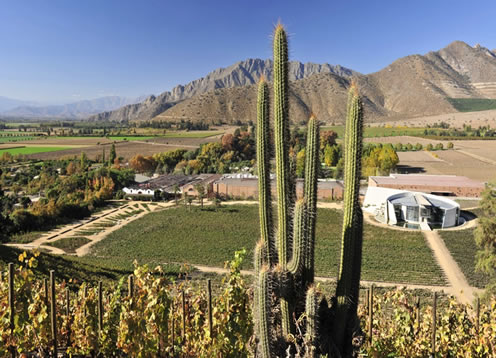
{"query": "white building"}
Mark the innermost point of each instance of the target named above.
(138, 191)
(411, 209)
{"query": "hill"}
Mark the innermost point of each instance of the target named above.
(412, 86)
(79, 109)
(240, 74)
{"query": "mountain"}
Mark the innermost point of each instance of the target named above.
(412, 86)
(9, 103)
(240, 74)
(79, 110)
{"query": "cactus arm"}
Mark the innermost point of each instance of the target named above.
(349, 271)
(312, 165)
(262, 324)
(281, 138)
(263, 162)
(299, 243)
(311, 311)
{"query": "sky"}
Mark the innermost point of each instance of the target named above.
(55, 51)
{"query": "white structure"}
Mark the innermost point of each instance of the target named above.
(138, 191)
(411, 209)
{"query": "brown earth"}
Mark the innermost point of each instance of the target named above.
(451, 162)
(127, 149)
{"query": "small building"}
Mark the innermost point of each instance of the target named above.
(411, 209)
(206, 180)
(139, 191)
(443, 185)
(246, 186)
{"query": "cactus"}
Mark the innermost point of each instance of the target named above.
(284, 258)
(351, 244)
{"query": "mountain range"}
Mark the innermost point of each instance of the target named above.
(76, 110)
(412, 86)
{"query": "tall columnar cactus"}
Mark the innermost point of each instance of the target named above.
(352, 236)
(284, 257)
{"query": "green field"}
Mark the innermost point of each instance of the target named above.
(371, 132)
(7, 139)
(462, 246)
(31, 150)
(192, 134)
(70, 244)
(472, 104)
(211, 237)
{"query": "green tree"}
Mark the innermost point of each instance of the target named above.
(430, 147)
(418, 146)
(300, 163)
(450, 145)
(439, 146)
(485, 237)
(200, 189)
(112, 155)
(175, 188)
(83, 161)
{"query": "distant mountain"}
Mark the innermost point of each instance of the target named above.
(79, 110)
(9, 103)
(238, 75)
(411, 86)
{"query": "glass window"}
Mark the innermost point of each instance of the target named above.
(412, 213)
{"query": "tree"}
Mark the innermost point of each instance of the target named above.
(327, 138)
(439, 146)
(418, 146)
(142, 164)
(300, 163)
(83, 161)
(175, 188)
(429, 147)
(200, 189)
(485, 237)
(450, 145)
(112, 155)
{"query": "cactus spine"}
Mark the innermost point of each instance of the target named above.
(284, 259)
(352, 236)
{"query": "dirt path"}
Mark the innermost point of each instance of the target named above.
(365, 283)
(478, 157)
(88, 224)
(459, 285)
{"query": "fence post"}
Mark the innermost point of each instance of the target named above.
(366, 300)
(45, 286)
(371, 312)
(11, 305)
(100, 307)
(184, 314)
(417, 315)
(434, 322)
(209, 296)
(477, 313)
(53, 313)
(130, 285)
(68, 314)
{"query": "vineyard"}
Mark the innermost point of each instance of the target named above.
(151, 315)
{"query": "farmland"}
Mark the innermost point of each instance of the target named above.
(211, 237)
(27, 150)
(463, 248)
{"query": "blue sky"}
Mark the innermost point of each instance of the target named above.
(65, 50)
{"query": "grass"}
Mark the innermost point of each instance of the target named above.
(463, 248)
(8, 139)
(26, 237)
(191, 134)
(472, 104)
(211, 237)
(31, 150)
(69, 244)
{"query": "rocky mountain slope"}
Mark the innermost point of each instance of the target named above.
(79, 109)
(415, 85)
(240, 74)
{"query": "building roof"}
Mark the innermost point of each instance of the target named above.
(427, 180)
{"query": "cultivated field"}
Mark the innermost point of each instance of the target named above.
(210, 237)
(93, 146)
(452, 162)
(456, 120)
